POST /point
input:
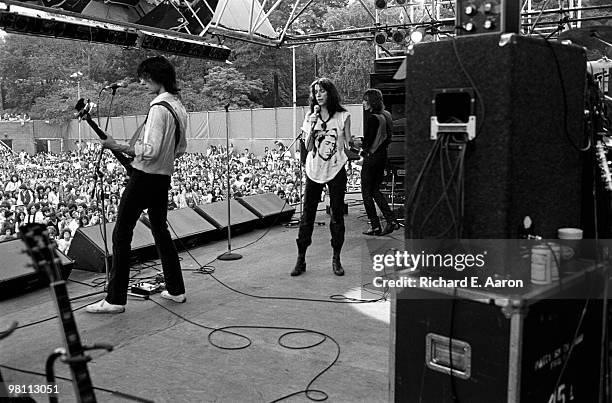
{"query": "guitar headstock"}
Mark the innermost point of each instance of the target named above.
(83, 109)
(42, 250)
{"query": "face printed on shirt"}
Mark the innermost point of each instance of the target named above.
(327, 144)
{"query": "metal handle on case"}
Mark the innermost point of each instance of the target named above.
(438, 355)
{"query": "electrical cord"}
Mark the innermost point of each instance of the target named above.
(46, 319)
(308, 391)
(112, 392)
(564, 95)
(208, 269)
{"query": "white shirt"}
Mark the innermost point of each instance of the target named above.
(155, 151)
(329, 156)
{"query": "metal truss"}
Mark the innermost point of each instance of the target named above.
(432, 17)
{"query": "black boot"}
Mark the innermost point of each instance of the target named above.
(300, 265)
(372, 231)
(389, 227)
(336, 265)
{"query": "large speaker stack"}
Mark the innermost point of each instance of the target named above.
(529, 102)
(394, 96)
(526, 97)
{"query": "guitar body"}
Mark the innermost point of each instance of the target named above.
(83, 112)
(44, 256)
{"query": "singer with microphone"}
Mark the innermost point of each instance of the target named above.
(164, 139)
(328, 132)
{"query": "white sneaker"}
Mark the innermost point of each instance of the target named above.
(104, 307)
(176, 298)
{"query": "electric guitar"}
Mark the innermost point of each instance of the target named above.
(602, 159)
(44, 256)
(84, 109)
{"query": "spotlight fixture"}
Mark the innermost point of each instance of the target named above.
(380, 38)
(380, 4)
(398, 36)
(416, 36)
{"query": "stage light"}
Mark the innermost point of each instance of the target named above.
(416, 36)
(380, 4)
(3, 6)
(399, 36)
(380, 38)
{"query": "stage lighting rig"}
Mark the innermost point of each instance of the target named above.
(399, 36)
(380, 4)
(380, 38)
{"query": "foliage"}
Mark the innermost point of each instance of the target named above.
(35, 72)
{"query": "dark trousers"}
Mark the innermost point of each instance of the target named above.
(372, 174)
(143, 191)
(312, 196)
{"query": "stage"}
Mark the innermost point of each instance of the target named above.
(161, 357)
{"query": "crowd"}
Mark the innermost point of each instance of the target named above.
(60, 190)
(14, 117)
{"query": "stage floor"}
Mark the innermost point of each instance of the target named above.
(161, 357)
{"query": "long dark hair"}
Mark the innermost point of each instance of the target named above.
(375, 99)
(159, 70)
(333, 96)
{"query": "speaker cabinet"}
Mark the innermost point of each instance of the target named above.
(242, 220)
(87, 247)
(187, 228)
(394, 97)
(17, 276)
(270, 208)
(529, 115)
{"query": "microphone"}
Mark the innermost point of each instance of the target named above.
(114, 86)
(317, 111)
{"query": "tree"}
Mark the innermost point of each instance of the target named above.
(347, 63)
(226, 85)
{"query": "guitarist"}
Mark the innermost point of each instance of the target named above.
(148, 186)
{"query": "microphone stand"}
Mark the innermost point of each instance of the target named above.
(296, 222)
(228, 255)
(100, 175)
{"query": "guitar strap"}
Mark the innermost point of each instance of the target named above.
(177, 130)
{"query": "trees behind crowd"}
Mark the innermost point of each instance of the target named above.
(35, 72)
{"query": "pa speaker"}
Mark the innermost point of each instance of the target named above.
(17, 276)
(529, 102)
(187, 228)
(270, 208)
(242, 219)
(87, 247)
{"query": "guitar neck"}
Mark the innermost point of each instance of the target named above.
(122, 158)
(80, 374)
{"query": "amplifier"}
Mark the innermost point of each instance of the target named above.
(499, 346)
